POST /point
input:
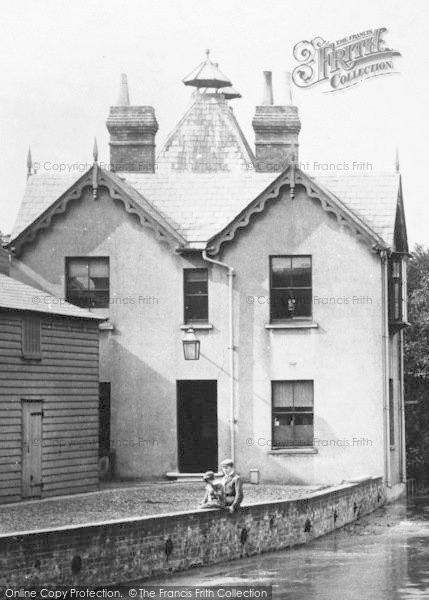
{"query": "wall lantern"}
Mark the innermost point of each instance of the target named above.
(191, 346)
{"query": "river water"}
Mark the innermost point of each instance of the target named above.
(383, 557)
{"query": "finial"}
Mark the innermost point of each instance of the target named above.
(95, 151)
(208, 54)
(124, 96)
(397, 161)
(288, 76)
(29, 163)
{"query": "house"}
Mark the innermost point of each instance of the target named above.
(49, 430)
(287, 287)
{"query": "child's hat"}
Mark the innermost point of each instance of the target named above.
(208, 475)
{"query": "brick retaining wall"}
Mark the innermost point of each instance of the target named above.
(120, 551)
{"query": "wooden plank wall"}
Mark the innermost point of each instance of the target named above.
(66, 379)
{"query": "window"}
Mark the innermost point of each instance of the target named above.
(396, 292)
(290, 287)
(196, 299)
(31, 337)
(87, 282)
(292, 414)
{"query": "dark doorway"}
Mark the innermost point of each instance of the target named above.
(104, 418)
(197, 426)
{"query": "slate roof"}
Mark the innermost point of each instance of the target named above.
(208, 139)
(205, 177)
(41, 191)
(371, 196)
(19, 296)
(199, 205)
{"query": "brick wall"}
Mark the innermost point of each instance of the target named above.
(122, 551)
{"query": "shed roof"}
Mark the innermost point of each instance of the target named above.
(15, 295)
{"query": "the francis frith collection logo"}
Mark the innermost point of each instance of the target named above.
(344, 63)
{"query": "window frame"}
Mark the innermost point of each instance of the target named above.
(68, 296)
(186, 320)
(397, 288)
(274, 410)
(287, 319)
(35, 320)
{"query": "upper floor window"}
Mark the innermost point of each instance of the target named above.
(31, 337)
(290, 287)
(397, 292)
(196, 299)
(87, 282)
(292, 414)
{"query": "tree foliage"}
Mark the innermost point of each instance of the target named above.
(416, 350)
(417, 335)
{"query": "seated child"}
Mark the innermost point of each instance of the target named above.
(214, 496)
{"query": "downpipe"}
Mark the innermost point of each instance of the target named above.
(230, 275)
(402, 400)
(385, 341)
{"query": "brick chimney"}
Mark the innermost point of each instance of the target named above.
(132, 134)
(276, 129)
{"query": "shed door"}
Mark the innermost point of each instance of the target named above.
(31, 448)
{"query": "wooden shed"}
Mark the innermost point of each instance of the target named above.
(49, 394)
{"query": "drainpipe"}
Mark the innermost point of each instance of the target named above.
(402, 400)
(230, 275)
(405, 318)
(385, 338)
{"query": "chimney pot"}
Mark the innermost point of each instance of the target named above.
(276, 130)
(268, 98)
(132, 135)
(288, 89)
(124, 96)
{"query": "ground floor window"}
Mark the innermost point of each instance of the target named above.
(292, 414)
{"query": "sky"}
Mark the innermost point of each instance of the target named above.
(61, 61)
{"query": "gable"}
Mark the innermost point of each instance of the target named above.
(291, 178)
(92, 180)
(191, 209)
